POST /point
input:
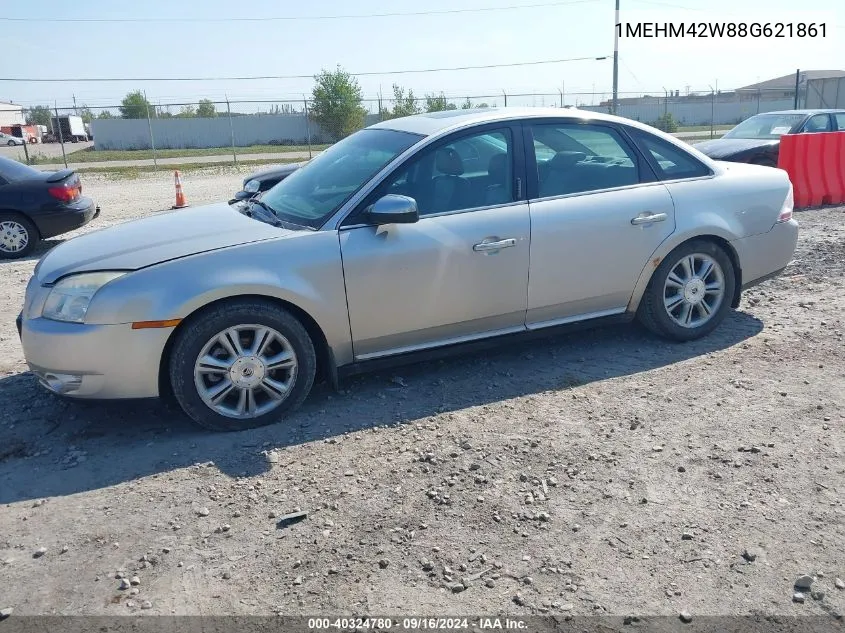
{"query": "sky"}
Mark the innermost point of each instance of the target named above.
(300, 45)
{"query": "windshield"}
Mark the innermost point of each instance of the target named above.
(13, 170)
(766, 126)
(310, 195)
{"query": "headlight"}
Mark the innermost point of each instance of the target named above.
(252, 186)
(69, 299)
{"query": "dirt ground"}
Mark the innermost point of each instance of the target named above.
(606, 472)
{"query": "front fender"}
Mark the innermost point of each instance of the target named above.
(304, 270)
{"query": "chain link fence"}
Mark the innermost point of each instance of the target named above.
(249, 130)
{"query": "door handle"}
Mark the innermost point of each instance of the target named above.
(494, 246)
(648, 218)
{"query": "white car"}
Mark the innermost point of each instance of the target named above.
(7, 139)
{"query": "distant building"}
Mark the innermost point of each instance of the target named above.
(11, 114)
(776, 89)
(784, 86)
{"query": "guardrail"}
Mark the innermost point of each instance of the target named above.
(816, 166)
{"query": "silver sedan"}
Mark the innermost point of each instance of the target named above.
(8, 139)
(413, 234)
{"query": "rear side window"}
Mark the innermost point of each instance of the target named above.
(840, 121)
(577, 158)
(670, 162)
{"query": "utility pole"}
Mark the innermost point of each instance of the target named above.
(797, 86)
(150, 125)
(308, 124)
(61, 136)
(75, 111)
(616, 59)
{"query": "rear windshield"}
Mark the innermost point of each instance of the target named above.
(11, 170)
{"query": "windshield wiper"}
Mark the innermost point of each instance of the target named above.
(274, 218)
(269, 215)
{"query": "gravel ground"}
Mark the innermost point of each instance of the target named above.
(607, 472)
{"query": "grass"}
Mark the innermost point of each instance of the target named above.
(90, 155)
(136, 170)
(704, 128)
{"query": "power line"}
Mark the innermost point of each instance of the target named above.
(264, 77)
(349, 16)
(670, 5)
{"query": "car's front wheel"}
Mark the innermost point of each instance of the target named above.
(10, 143)
(241, 364)
(690, 293)
(18, 236)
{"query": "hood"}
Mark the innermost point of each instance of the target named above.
(273, 172)
(723, 147)
(153, 240)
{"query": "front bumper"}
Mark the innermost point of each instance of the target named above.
(93, 361)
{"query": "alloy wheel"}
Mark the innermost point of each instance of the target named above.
(694, 290)
(245, 371)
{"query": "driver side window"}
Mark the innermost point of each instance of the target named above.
(817, 123)
(451, 177)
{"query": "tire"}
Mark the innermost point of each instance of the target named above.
(12, 228)
(11, 143)
(194, 384)
(663, 315)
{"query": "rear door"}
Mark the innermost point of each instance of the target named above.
(597, 216)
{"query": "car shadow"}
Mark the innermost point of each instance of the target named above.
(51, 446)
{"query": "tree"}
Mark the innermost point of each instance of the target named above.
(483, 104)
(667, 123)
(105, 114)
(86, 113)
(336, 104)
(206, 109)
(403, 105)
(467, 105)
(438, 103)
(187, 112)
(39, 115)
(136, 106)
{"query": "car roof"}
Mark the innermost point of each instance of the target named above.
(433, 123)
(440, 123)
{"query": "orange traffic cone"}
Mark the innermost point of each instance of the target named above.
(180, 196)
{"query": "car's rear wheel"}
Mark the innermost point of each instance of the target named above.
(690, 293)
(241, 365)
(18, 236)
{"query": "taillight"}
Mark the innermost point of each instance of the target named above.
(66, 192)
(786, 209)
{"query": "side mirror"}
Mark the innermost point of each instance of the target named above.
(393, 209)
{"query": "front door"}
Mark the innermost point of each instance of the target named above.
(461, 271)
